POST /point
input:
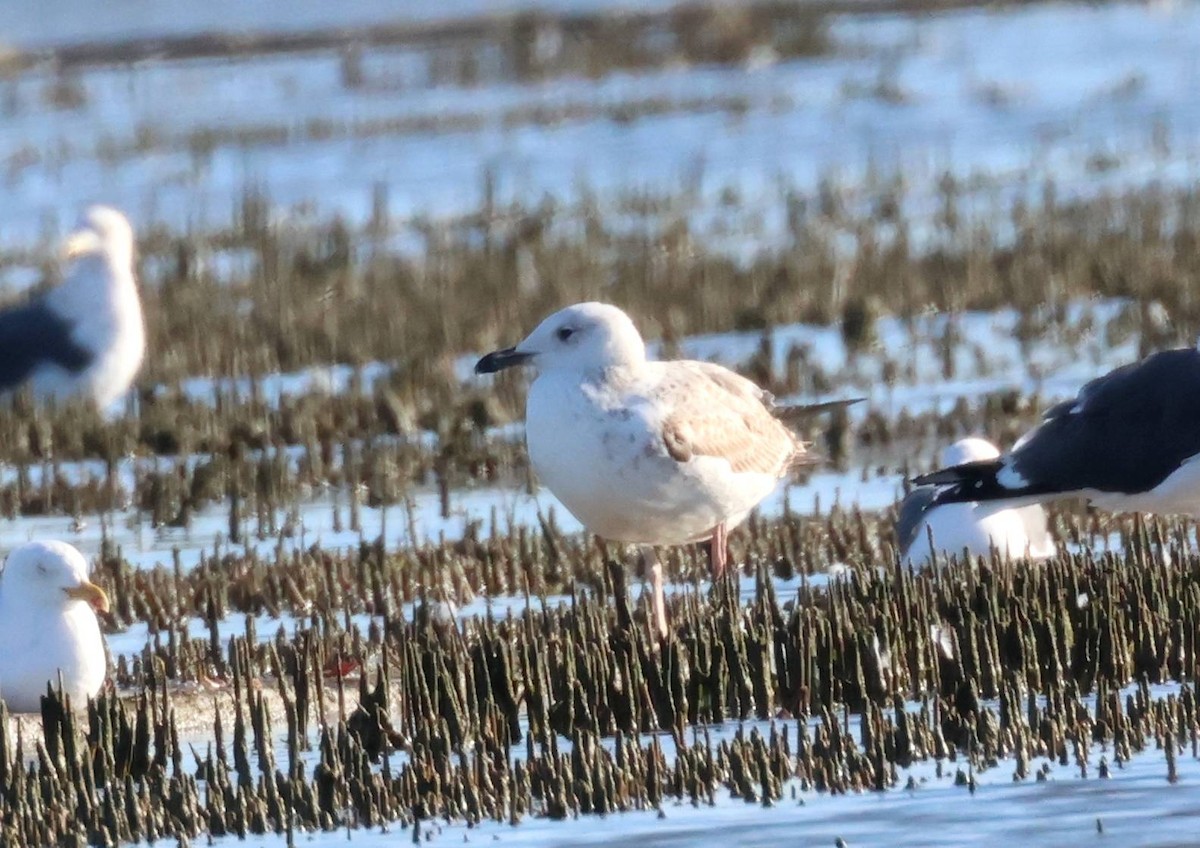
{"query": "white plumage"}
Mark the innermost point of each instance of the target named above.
(48, 625)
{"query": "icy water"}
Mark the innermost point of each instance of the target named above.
(1134, 805)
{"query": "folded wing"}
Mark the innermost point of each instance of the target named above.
(32, 335)
(717, 413)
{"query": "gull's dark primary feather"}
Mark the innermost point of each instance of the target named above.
(32, 335)
(798, 413)
(977, 481)
(1125, 433)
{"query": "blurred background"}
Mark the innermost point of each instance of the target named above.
(843, 131)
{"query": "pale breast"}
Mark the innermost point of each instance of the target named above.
(115, 369)
(68, 642)
(600, 449)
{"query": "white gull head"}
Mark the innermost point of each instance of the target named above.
(586, 337)
(101, 231)
(50, 575)
(970, 449)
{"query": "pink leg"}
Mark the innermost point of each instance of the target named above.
(657, 600)
(718, 550)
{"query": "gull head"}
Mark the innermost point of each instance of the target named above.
(585, 337)
(971, 449)
(101, 229)
(50, 574)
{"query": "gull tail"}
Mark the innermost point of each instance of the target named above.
(976, 481)
(798, 413)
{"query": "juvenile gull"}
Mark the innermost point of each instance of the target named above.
(48, 626)
(85, 337)
(977, 528)
(644, 452)
(1128, 442)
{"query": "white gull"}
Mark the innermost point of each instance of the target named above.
(974, 528)
(645, 452)
(48, 626)
(86, 336)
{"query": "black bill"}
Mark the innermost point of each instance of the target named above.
(498, 360)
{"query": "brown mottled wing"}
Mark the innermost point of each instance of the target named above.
(715, 412)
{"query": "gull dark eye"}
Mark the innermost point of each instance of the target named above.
(564, 333)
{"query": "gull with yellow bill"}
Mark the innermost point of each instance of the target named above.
(48, 626)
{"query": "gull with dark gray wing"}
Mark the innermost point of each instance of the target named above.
(1128, 442)
(85, 337)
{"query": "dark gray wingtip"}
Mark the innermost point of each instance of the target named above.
(978, 481)
(941, 477)
(804, 411)
(956, 474)
(911, 513)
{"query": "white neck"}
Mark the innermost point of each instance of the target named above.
(99, 298)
